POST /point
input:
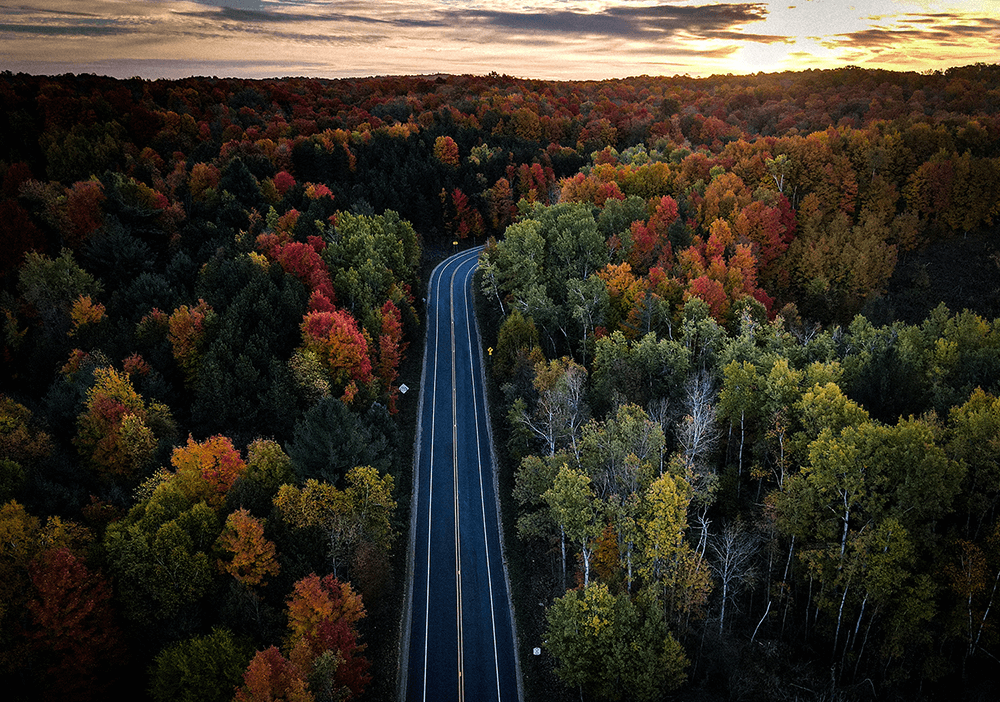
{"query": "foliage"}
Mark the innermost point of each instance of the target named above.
(114, 436)
(249, 556)
(200, 668)
(683, 269)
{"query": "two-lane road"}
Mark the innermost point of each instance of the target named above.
(459, 640)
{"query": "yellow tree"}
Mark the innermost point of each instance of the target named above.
(248, 555)
(114, 437)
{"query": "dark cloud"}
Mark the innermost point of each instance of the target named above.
(942, 29)
(625, 22)
(268, 16)
(82, 29)
(239, 5)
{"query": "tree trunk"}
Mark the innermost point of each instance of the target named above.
(562, 543)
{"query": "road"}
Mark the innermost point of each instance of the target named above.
(459, 640)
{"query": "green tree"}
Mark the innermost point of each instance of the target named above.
(203, 668)
(575, 509)
(974, 440)
(613, 647)
(161, 556)
(360, 513)
(51, 286)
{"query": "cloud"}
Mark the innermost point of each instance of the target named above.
(622, 21)
(90, 28)
(539, 38)
(938, 29)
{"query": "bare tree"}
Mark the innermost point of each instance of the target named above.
(698, 434)
(734, 552)
(561, 410)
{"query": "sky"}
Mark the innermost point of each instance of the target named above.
(548, 39)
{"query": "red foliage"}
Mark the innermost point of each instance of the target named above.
(283, 180)
(322, 616)
(72, 627)
(303, 260)
(334, 336)
(391, 347)
(270, 677)
(651, 241)
(209, 468)
(467, 220)
(712, 292)
(83, 207)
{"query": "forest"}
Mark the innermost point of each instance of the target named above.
(743, 337)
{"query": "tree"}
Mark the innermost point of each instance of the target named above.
(114, 436)
(189, 327)
(23, 445)
(446, 151)
(205, 668)
(322, 620)
(361, 512)
(340, 347)
(739, 397)
(620, 452)
(662, 524)
(73, 628)
(698, 435)
(588, 301)
(331, 438)
(611, 646)
(517, 342)
(571, 501)
(561, 409)
(159, 555)
(207, 469)
(248, 555)
(734, 550)
(390, 350)
(975, 441)
(270, 677)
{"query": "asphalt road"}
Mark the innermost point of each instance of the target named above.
(459, 640)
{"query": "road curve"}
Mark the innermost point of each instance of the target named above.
(458, 639)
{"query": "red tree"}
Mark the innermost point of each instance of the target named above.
(322, 614)
(270, 677)
(72, 629)
(340, 346)
(390, 350)
(208, 469)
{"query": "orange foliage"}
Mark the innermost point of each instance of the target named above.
(85, 312)
(250, 556)
(188, 326)
(340, 346)
(322, 616)
(207, 470)
(270, 677)
(446, 151)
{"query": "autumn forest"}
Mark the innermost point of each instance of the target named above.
(743, 342)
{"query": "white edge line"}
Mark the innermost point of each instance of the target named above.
(469, 325)
(496, 491)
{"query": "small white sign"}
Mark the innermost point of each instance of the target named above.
(403, 388)
(537, 651)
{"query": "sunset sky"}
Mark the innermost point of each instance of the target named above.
(532, 38)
